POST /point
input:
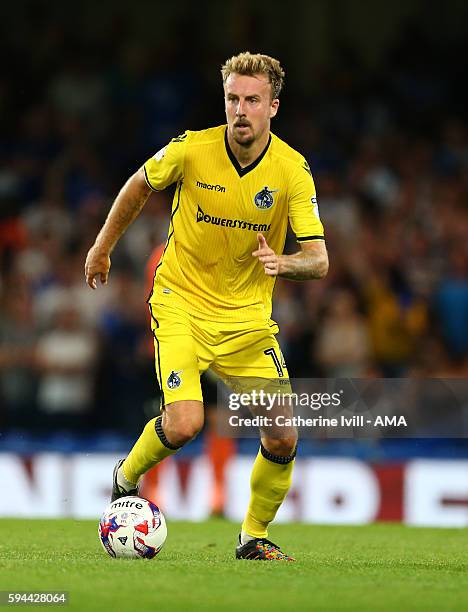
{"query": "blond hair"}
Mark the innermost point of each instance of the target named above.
(251, 64)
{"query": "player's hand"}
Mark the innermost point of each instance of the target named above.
(97, 264)
(266, 255)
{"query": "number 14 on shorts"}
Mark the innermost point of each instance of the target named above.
(279, 362)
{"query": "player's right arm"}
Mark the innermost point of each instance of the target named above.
(161, 170)
(125, 209)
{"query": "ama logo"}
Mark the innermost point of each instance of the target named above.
(263, 200)
(173, 380)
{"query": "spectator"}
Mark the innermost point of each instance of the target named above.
(18, 381)
(343, 345)
(451, 302)
(66, 356)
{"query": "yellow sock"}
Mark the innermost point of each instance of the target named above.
(147, 451)
(269, 485)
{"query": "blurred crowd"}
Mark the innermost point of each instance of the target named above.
(388, 149)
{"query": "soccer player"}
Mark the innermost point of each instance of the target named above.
(237, 186)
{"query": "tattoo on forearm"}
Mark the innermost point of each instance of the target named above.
(125, 209)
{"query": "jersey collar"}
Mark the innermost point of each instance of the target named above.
(243, 171)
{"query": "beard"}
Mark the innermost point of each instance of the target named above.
(244, 139)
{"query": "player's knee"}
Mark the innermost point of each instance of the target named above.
(283, 447)
(186, 433)
(182, 421)
(184, 430)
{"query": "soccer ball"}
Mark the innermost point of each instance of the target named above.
(132, 527)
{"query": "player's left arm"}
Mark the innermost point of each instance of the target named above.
(311, 262)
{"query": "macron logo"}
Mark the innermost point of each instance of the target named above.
(218, 188)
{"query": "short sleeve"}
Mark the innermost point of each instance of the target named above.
(303, 208)
(167, 165)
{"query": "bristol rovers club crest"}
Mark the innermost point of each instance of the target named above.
(174, 380)
(264, 198)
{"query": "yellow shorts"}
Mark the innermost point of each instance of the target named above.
(186, 346)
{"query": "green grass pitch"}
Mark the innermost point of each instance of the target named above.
(375, 567)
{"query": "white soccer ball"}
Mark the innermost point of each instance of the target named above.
(132, 527)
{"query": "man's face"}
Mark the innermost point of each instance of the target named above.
(249, 107)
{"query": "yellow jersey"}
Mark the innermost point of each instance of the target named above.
(207, 267)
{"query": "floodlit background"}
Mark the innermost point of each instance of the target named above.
(375, 98)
